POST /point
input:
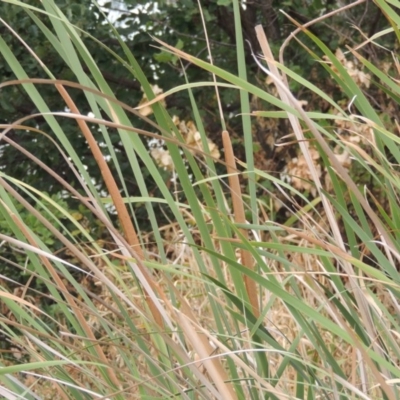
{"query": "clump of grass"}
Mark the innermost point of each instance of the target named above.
(212, 305)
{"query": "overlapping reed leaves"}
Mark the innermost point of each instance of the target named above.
(297, 314)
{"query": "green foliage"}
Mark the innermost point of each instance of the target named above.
(174, 312)
(135, 21)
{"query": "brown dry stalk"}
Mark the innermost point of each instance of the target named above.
(123, 215)
(238, 211)
(203, 348)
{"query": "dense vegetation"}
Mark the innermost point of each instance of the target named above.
(236, 237)
(178, 25)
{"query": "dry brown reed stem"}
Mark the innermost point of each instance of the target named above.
(238, 211)
(199, 342)
(123, 215)
(204, 351)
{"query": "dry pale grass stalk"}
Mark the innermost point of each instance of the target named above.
(202, 348)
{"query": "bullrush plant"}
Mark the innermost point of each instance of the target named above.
(222, 301)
